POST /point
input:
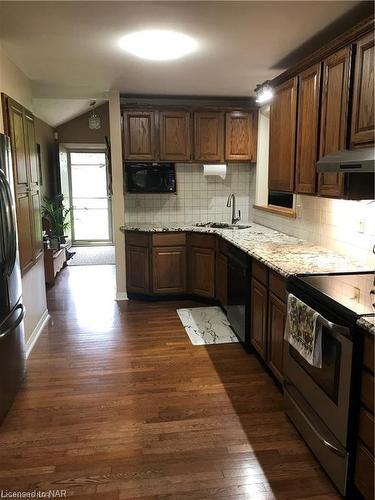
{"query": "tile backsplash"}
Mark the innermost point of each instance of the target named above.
(347, 227)
(199, 198)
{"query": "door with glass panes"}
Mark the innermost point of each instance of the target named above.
(90, 201)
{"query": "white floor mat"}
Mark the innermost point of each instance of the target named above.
(207, 325)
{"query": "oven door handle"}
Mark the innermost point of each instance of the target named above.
(327, 444)
(334, 328)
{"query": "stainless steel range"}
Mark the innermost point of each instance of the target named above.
(321, 401)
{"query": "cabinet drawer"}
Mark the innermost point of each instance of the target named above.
(366, 428)
(260, 272)
(367, 390)
(202, 240)
(168, 239)
(368, 352)
(136, 238)
(364, 472)
(277, 285)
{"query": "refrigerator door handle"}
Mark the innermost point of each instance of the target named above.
(11, 241)
(12, 326)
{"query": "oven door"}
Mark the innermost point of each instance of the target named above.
(325, 389)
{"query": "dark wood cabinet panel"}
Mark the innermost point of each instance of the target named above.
(137, 269)
(364, 472)
(139, 135)
(334, 117)
(276, 325)
(37, 224)
(363, 117)
(209, 136)
(31, 149)
(169, 269)
(202, 271)
(221, 278)
(25, 230)
(174, 130)
(241, 130)
(308, 130)
(283, 116)
(258, 333)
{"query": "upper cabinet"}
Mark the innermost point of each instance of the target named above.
(362, 129)
(209, 136)
(241, 135)
(307, 129)
(283, 116)
(334, 116)
(139, 135)
(174, 135)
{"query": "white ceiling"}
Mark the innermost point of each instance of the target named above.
(70, 49)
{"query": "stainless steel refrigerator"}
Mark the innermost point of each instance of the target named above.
(12, 311)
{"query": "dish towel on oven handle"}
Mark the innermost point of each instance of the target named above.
(303, 331)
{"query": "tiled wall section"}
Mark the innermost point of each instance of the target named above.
(198, 199)
(330, 223)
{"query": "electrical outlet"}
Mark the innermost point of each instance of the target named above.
(361, 225)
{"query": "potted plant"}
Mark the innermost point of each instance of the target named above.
(56, 214)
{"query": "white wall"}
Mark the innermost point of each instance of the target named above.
(15, 84)
(199, 198)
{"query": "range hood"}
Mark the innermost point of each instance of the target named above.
(353, 160)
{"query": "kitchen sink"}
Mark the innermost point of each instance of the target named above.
(221, 225)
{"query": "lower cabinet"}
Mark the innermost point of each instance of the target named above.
(137, 269)
(169, 270)
(221, 278)
(276, 325)
(202, 271)
(268, 314)
(259, 296)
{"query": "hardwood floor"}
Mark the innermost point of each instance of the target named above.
(118, 404)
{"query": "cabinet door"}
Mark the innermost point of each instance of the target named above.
(202, 271)
(137, 269)
(221, 277)
(209, 136)
(276, 326)
(25, 230)
(362, 132)
(169, 269)
(334, 117)
(139, 135)
(241, 130)
(283, 117)
(307, 129)
(175, 139)
(258, 332)
(19, 149)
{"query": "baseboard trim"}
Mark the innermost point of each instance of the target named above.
(36, 332)
(121, 296)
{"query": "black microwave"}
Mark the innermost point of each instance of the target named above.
(150, 177)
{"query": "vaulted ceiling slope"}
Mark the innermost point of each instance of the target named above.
(70, 49)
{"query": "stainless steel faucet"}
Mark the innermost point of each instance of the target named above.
(231, 202)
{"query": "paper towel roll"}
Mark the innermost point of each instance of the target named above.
(217, 169)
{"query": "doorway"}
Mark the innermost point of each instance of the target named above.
(91, 222)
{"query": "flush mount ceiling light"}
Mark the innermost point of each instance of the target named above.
(263, 92)
(158, 45)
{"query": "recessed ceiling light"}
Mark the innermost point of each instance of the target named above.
(158, 45)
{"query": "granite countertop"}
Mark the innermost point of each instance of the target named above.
(284, 254)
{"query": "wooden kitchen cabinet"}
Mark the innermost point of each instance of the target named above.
(174, 135)
(241, 135)
(20, 126)
(221, 278)
(201, 248)
(283, 117)
(137, 269)
(209, 136)
(308, 130)
(334, 117)
(169, 270)
(258, 333)
(139, 135)
(276, 326)
(363, 118)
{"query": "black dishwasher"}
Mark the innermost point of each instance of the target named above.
(238, 298)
